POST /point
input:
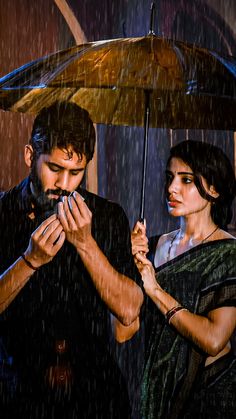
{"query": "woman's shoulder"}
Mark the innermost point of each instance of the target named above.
(163, 248)
(160, 240)
(167, 237)
(157, 242)
(222, 234)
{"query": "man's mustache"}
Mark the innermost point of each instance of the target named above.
(59, 192)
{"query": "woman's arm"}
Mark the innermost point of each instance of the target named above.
(210, 333)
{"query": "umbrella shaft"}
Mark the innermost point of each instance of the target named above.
(152, 19)
(145, 152)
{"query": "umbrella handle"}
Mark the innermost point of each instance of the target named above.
(145, 152)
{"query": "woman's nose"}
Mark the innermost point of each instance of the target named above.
(173, 186)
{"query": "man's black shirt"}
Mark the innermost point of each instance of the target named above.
(60, 304)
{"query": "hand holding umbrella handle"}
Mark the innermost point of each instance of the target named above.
(143, 221)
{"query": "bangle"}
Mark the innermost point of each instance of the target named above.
(173, 314)
(173, 311)
(28, 263)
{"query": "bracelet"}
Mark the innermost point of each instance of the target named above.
(28, 263)
(182, 309)
(173, 311)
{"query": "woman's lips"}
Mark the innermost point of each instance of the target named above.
(173, 204)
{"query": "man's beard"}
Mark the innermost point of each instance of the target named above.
(43, 203)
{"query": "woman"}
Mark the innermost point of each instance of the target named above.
(191, 369)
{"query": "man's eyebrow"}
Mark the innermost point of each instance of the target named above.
(51, 163)
(78, 169)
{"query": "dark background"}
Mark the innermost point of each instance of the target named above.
(33, 28)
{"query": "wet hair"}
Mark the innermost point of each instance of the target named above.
(211, 163)
(62, 125)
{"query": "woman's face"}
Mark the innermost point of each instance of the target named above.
(183, 198)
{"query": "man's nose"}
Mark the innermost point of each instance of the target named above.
(62, 181)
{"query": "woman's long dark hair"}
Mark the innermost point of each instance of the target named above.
(211, 163)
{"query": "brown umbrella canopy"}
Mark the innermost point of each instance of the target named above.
(188, 86)
(147, 81)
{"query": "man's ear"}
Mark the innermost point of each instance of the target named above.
(213, 192)
(28, 155)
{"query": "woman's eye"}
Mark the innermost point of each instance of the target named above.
(186, 180)
(169, 178)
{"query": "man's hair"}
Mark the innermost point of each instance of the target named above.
(61, 125)
(212, 164)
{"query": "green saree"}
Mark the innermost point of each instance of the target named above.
(202, 279)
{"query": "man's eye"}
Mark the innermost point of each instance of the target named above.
(53, 168)
(75, 172)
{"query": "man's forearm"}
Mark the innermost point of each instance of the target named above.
(12, 281)
(121, 294)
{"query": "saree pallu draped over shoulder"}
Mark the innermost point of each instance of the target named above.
(202, 279)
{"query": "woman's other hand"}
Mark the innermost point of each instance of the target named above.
(139, 242)
(147, 271)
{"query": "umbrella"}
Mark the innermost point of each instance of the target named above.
(189, 87)
(146, 81)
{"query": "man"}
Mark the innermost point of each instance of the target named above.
(66, 264)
